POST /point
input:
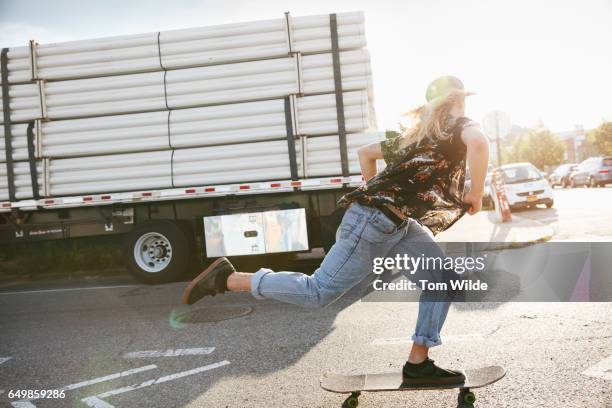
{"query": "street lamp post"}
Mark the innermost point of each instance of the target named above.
(496, 125)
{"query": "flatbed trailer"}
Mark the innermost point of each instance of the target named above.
(71, 173)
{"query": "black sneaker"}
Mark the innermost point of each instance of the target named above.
(210, 282)
(429, 374)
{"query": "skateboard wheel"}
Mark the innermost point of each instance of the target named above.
(467, 397)
(352, 401)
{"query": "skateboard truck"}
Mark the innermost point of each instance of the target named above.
(465, 399)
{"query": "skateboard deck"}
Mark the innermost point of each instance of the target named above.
(355, 384)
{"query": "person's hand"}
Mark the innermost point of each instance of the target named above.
(474, 200)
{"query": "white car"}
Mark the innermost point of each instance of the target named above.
(525, 186)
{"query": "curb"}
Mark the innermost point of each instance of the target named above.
(522, 244)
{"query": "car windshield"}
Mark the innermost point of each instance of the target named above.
(520, 174)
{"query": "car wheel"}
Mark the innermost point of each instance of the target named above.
(549, 204)
(564, 183)
(572, 183)
(157, 252)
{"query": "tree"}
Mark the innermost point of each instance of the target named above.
(601, 139)
(539, 147)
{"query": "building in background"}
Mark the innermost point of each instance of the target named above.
(575, 144)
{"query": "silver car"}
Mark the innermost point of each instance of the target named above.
(593, 172)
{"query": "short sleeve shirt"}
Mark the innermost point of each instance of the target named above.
(423, 182)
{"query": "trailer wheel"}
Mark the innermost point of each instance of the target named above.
(156, 252)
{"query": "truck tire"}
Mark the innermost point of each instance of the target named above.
(156, 252)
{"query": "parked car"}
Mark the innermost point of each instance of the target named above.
(593, 172)
(525, 186)
(560, 176)
(487, 200)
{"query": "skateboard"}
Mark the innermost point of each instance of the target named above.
(355, 384)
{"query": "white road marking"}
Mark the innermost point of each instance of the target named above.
(4, 359)
(66, 289)
(23, 404)
(603, 369)
(169, 352)
(108, 377)
(97, 401)
(407, 340)
(28, 403)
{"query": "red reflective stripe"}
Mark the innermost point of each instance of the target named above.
(6, 205)
(148, 194)
(190, 190)
(296, 183)
(604, 171)
(209, 189)
(245, 187)
(49, 201)
(275, 185)
(336, 180)
(105, 197)
(87, 198)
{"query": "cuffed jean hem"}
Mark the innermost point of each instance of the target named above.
(424, 341)
(256, 280)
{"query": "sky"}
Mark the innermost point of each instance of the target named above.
(541, 62)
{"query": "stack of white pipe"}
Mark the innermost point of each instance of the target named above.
(123, 114)
(19, 143)
(194, 127)
(121, 172)
(259, 161)
(23, 180)
(214, 45)
(254, 80)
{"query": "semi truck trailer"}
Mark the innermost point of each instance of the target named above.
(230, 140)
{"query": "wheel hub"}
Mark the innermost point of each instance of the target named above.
(152, 252)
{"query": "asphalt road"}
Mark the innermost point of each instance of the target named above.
(581, 214)
(115, 343)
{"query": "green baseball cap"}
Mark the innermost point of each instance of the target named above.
(442, 86)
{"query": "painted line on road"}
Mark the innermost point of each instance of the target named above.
(66, 289)
(97, 401)
(23, 404)
(108, 377)
(81, 384)
(407, 340)
(169, 352)
(603, 369)
(4, 359)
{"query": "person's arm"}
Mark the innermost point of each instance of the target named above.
(478, 160)
(368, 155)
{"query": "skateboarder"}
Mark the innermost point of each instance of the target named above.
(397, 211)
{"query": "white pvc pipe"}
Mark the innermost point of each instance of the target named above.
(191, 87)
(224, 124)
(185, 48)
(196, 166)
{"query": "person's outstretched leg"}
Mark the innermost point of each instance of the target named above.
(364, 233)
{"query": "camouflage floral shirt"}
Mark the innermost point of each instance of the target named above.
(423, 182)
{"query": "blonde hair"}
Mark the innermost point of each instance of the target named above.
(428, 120)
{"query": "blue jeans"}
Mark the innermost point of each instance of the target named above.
(364, 233)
